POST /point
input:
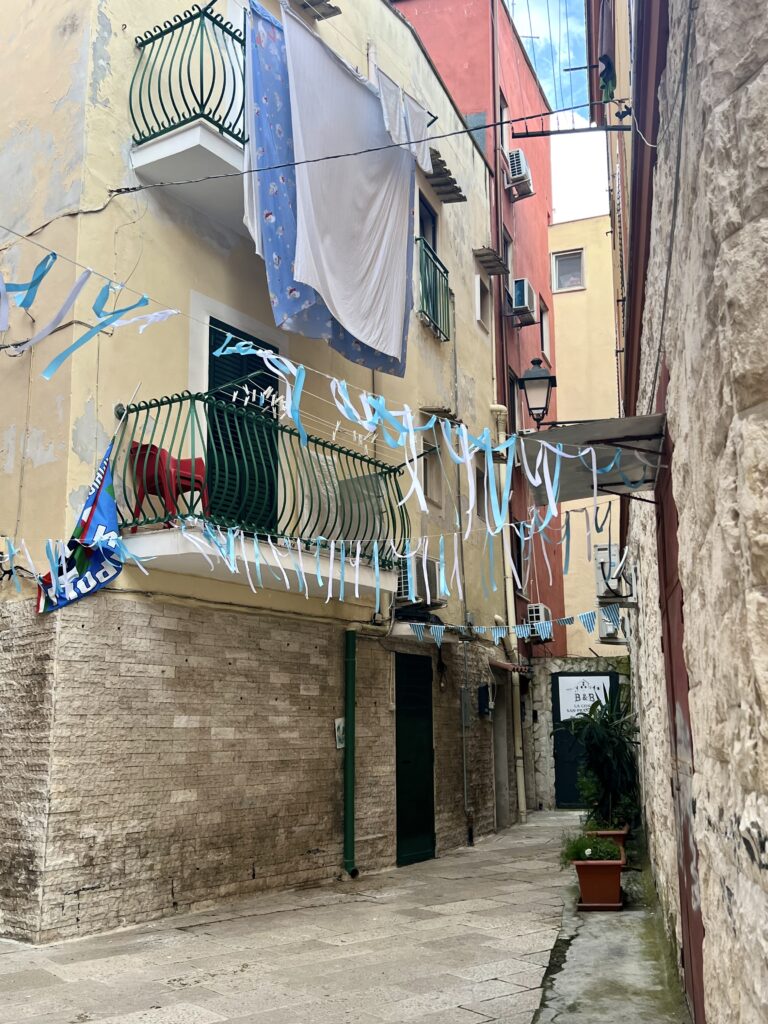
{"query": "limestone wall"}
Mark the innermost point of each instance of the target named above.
(650, 696)
(714, 344)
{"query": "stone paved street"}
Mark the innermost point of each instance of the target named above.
(459, 940)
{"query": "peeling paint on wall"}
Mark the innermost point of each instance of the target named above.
(89, 437)
(8, 449)
(40, 451)
(101, 61)
(77, 498)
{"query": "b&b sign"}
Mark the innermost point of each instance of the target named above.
(579, 693)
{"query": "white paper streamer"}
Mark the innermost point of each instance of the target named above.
(50, 327)
(147, 319)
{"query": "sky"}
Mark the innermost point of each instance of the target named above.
(554, 34)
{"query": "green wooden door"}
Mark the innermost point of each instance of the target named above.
(242, 451)
(414, 758)
(573, 693)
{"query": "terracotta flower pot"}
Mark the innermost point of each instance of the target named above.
(600, 883)
(618, 835)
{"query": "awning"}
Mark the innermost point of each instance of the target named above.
(445, 186)
(628, 452)
(491, 262)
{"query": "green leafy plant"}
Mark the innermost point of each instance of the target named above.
(582, 847)
(608, 781)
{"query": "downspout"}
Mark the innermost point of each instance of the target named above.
(350, 680)
(500, 413)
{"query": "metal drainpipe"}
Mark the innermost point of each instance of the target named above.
(350, 680)
(500, 412)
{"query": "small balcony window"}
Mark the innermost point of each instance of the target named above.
(434, 291)
(483, 299)
(568, 270)
(432, 475)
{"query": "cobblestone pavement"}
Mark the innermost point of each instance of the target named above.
(460, 940)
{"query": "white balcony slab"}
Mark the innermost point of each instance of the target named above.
(197, 151)
(173, 551)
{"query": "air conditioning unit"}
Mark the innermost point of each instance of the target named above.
(420, 594)
(609, 633)
(538, 613)
(616, 582)
(606, 559)
(522, 300)
(519, 179)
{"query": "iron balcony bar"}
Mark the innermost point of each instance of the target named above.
(239, 467)
(191, 68)
(434, 294)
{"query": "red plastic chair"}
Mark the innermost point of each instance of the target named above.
(157, 472)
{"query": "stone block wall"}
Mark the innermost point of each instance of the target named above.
(193, 758)
(26, 708)
(649, 687)
(158, 757)
(714, 345)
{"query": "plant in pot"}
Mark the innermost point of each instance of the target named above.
(608, 780)
(598, 864)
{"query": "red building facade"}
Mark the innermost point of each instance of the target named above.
(481, 58)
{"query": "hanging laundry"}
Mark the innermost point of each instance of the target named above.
(405, 119)
(352, 214)
(270, 200)
(606, 46)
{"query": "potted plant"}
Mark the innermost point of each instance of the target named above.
(598, 864)
(608, 781)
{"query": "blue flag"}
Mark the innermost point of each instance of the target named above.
(90, 560)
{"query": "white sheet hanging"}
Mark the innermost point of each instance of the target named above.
(252, 214)
(352, 213)
(405, 119)
(392, 108)
(417, 123)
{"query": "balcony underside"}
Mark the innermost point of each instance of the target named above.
(197, 150)
(173, 551)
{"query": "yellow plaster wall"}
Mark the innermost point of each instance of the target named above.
(156, 244)
(586, 389)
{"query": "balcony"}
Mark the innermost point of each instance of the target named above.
(233, 466)
(187, 107)
(434, 293)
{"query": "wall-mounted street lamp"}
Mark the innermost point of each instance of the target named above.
(536, 384)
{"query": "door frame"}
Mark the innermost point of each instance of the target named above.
(426, 658)
(613, 684)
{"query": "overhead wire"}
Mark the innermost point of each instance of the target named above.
(540, 115)
(552, 54)
(206, 325)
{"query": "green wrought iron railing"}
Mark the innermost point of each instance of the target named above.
(435, 294)
(236, 466)
(191, 68)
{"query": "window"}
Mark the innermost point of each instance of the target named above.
(512, 400)
(432, 478)
(568, 270)
(544, 329)
(435, 293)
(504, 117)
(517, 558)
(427, 223)
(483, 299)
(506, 254)
(480, 491)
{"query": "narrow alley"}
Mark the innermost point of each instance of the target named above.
(460, 940)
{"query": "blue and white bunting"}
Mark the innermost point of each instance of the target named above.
(588, 620)
(417, 628)
(437, 634)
